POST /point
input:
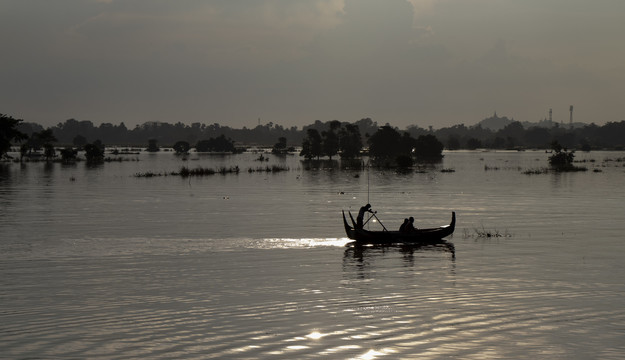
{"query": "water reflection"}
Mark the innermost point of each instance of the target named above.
(320, 164)
(362, 258)
(5, 174)
(360, 253)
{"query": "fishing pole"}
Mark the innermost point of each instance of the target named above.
(368, 202)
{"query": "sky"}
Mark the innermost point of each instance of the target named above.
(290, 62)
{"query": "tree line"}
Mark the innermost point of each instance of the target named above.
(386, 145)
(513, 136)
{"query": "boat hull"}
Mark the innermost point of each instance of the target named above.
(419, 236)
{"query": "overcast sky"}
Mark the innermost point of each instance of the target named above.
(291, 62)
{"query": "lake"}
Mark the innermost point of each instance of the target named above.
(98, 263)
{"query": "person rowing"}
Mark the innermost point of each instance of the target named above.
(361, 215)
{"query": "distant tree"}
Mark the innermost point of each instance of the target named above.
(453, 143)
(223, 144)
(24, 149)
(182, 147)
(330, 140)
(280, 146)
(350, 141)
(45, 139)
(585, 145)
(385, 143)
(367, 126)
(513, 132)
(537, 137)
(473, 144)
(69, 154)
(48, 151)
(408, 145)
(218, 144)
(79, 141)
(389, 148)
(94, 153)
(311, 146)
(203, 146)
(9, 133)
(498, 143)
(428, 148)
(152, 145)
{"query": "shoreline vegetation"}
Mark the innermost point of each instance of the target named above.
(386, 147)
(200, 171)
(356, 165)
(335, 165)
(495, 132)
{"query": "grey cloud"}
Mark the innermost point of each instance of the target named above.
(292, 62)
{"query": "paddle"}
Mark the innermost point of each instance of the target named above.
(374, 216)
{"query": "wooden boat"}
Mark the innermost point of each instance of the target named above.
(419, 236)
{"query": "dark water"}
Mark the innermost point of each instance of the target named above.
(96, 263)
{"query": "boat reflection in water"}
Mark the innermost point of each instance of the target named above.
(361, 252)
(366, 260)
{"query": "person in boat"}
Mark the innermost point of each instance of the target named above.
(402, 228)
(361, 215)
(410, 226)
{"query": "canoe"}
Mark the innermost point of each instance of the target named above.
(418, 236)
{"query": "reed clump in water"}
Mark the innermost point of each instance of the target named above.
(485, 233)
(187, 172)
(268, 169)
(536, 171)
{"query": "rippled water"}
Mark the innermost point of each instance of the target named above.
(96, 263)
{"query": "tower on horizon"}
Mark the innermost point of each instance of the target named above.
(550, 115)
(571, 116)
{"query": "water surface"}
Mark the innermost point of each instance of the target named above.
(97, 263)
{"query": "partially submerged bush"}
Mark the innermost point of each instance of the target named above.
(562, 160)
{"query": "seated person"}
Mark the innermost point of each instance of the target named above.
(410, 226)
(402, 228)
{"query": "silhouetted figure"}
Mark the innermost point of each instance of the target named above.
(361, 215)
(410, 226)
(402, 228)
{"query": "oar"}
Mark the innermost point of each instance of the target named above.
(373, 215)
(384, 227)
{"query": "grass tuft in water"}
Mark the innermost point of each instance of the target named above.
(485, 233)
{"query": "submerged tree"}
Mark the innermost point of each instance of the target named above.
(330, 142)
(390, 148)
(311, 146)
(350, 141)
(152, 145)
(9, 133)
(181, 147)
(385, 143)
(42, 139)
(428, 148)
(218, 144)
(561, 158)
(68, 155)
(94, 153)
(280, 146)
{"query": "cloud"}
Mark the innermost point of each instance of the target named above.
(293, 61)
(216, 33)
